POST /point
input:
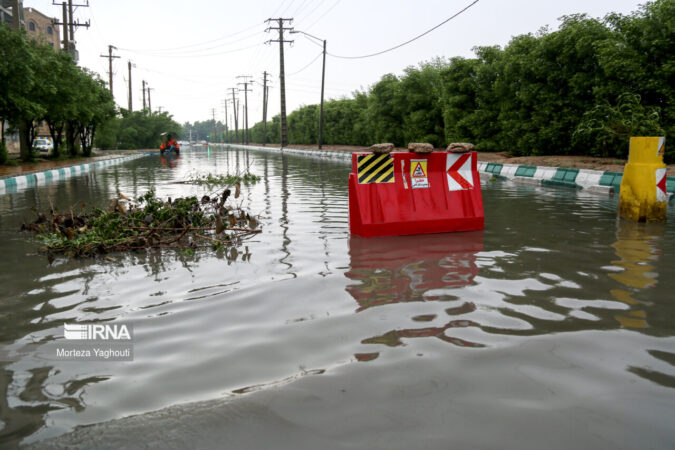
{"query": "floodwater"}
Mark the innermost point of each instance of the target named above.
(552, 328)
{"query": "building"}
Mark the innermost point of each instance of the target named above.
(42, 28)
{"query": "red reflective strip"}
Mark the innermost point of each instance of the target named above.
(662, 184)
(453, 171)
(459, 163)
(460, 180)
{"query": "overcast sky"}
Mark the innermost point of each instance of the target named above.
(190, 53)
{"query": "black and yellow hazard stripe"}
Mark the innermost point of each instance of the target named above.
(375, 168)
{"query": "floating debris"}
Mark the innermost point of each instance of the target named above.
(144, 223)
(222, 180)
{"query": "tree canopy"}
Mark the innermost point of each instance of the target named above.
(136, 129)
(582, 89)
(38, 84)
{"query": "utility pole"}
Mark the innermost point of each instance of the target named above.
(16, 14)
(25, 143)
(110, 57)
(143, 95)
(323, 80)
(71, 31)
(69, 25)
(246, 91)
(226, 129)
(280, 21)
(149, 103)
(213, 127)
(264, 142)
(66, 42)
(131, 103)
(236, 119)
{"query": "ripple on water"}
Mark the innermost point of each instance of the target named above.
(556, 306)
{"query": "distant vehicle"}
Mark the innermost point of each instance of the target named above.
(43, 145)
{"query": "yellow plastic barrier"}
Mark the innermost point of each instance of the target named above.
(643, 196)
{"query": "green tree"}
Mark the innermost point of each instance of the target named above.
(17, 82)
(136, 129)
(95, 107)
(612, 125)
(59, 100)
(384, 112)
(421, 105)
(568, 91)
(303, 125)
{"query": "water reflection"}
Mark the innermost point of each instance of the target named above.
(35, 397)
(170, 161)
(284, 220)
(540, 297)
(637, 248)
(406, 268)
(410, 269)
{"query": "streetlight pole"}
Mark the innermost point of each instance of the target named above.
(323, 80)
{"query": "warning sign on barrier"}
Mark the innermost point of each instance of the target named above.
(418, 173)
(458, 169)
(374, 168)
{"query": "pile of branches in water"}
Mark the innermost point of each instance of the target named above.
(211, 180)
(147, 222)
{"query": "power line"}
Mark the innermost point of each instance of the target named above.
(180, 53)
(192, 55)
(410, 40)
(287, 8)
(199, 44)
(322, 15)
(299, 7)
(313, 10)
(281, 5)
(310, 63)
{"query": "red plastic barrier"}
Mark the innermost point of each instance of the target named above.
(412, 193)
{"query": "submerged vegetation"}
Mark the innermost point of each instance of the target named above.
(223, 180)
(147, 222)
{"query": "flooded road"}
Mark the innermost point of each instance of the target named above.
(553, 327)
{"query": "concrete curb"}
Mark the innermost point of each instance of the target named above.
(325, 154)
(20, 182)
(594, 181)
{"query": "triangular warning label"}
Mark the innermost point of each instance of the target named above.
(419, 172)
